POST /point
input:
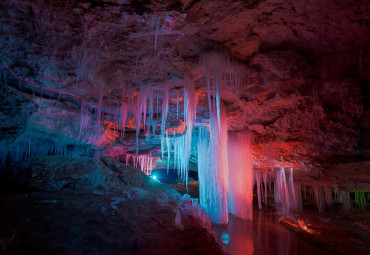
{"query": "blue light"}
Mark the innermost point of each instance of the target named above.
(155, 177)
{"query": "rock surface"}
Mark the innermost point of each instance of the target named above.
(85, 206)
(308, 62)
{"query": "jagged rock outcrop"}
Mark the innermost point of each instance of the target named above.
(306, 98)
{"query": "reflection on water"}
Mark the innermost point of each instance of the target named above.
(263, 236)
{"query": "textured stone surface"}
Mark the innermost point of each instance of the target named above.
(306, 98)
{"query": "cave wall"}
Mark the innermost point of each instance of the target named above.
(308, 63)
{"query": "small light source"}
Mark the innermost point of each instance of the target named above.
(155, 177)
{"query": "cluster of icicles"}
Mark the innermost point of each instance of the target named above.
(144, 161)
(26, 146)
(225, 164)
(291, 194)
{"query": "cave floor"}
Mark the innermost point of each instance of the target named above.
(91, 221)
(334, 230)
(337, 232)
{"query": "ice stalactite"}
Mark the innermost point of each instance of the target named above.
(265, 181)
(155, 24)
(258, 184)
(295, 193)
(141, 107)
(180, 145)
(288, 194)
(319, 198)
(322, 196)
(325, 195)
(190, 109)
(226, 72)
(262, 182)
(164, 115)
(240, 175)
(150, 117)
(281, 190)
(360, 199)
(216, 182)
(213, 169)
(204, 173)
(144, 161)
(28, 146)
(217, 206)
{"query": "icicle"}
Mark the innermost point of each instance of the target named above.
(203, 170)
(319, 198)
(164, 115)
(258, 181)
(281, 191)
(265, 185)
(292, 188)
(181, 145)
(213, 169)
(150, 118)
(141, 105)
(153, 127)
(189, 115)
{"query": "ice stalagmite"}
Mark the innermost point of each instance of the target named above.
(240, 175)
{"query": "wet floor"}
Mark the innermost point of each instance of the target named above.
(264, 235)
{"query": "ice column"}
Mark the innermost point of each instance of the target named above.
(213, 168)
(240, 175)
